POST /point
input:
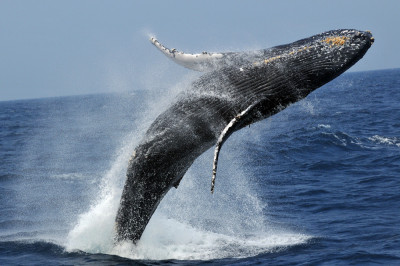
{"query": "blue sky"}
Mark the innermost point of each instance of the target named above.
(57, 48)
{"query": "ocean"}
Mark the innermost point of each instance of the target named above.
(316, 184)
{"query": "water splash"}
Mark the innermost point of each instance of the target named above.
(190, 223)
(167, 238)
(94, 231)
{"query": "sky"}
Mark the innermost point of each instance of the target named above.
(59, 48)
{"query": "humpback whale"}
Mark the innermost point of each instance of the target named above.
(236, 90)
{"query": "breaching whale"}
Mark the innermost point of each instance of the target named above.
(238, 89)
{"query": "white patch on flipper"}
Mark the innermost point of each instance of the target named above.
(223, 137)
(200, 62)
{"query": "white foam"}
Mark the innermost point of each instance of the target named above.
(308, 106)
(94, 231)
(167, 238)
(324, 126)
(385, 140)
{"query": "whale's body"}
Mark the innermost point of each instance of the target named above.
(237, 90)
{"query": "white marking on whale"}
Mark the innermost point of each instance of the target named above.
(200, 62)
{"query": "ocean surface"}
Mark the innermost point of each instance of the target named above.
(316, 184)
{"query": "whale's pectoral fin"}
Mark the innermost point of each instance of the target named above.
(200, 62)
(228, 130)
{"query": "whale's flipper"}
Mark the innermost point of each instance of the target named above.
(228, 130)
(199, 62)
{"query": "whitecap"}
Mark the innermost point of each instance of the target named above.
(385, 140)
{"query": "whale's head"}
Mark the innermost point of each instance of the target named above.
(279, 76)
(334, 52)
(294, 70)
(320, 58)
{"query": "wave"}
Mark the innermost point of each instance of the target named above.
(385, 140)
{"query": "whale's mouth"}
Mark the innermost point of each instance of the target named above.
(368, 36)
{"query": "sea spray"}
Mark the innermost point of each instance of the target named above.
(190, 223)
(94, 231)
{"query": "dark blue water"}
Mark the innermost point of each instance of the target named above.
(318, 183)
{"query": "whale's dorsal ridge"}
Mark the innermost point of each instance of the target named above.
(204, 61)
